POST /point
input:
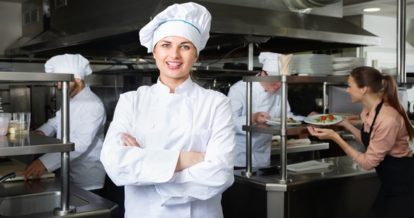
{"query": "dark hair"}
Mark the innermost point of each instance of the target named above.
(385, 86)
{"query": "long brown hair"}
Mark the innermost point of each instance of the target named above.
(385, 86)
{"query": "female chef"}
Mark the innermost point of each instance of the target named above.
(171, 144)
(386, 132)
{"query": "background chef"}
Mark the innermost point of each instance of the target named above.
(267, 102)
(87, 119)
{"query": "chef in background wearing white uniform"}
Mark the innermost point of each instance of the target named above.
(171, 144)
(87, 119)
(267, 102)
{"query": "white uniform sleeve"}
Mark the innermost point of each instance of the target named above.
(92, 119)
(212, 176)
(127, 165)
(237, 97)
(88, 123)
(50, 127)
(50, 160)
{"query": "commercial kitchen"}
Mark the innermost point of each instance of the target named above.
(307, 176)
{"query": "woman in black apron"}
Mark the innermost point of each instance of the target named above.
(395, 198)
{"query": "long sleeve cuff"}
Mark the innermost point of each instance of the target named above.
(51, 161)
(47, 129)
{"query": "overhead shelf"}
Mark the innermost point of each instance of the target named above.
(273, 129)
(298, 79)
(23, 144)
(314, 146)
(34, 77)
(268, 130)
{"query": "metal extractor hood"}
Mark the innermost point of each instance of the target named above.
(105, 27)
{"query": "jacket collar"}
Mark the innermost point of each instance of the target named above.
(184, 88)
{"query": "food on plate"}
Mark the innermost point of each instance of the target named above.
(291, 120)
(323, 119)
(277, 121)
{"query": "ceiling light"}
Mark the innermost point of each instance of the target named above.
(371, 9)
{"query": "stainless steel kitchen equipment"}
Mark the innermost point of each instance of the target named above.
(108, 28)
(41, 144)
(333, 191)
(401, 27)
(277, 188)
(285, 80)
(42, 196)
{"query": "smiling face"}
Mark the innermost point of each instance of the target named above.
(174, 57)
(354, 91)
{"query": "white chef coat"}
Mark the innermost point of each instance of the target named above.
(262, 101)
(87, 119)
(191, 119)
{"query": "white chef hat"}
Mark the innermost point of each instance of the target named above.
(189, 20)
(74, 64)
(270, 62)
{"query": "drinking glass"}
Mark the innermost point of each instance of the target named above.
(20, 123)
(4, 123)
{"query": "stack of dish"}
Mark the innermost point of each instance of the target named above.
(311, 64)
(343, 65)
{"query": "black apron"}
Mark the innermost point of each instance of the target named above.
(395, 198)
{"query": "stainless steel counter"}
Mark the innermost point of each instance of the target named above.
(39, 198)
(341, 167)
(331, 192)
(31, 147)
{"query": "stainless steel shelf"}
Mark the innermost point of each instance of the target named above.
(268, 130)
(314, 146)
(298, 79)
(34, 77)
(23, 144)
(13, 145)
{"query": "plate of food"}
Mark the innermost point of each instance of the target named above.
(323, 119)
(276, 121)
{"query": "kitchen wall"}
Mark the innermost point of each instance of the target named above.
(386, 53)
(10, 23)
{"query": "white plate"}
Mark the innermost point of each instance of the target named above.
(341, 72)
(316, 120)
(276, 121)
(342, 66)
(307, 165)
